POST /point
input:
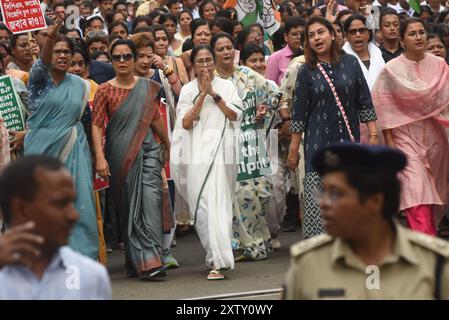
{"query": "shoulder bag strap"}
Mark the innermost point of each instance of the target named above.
(337, 99)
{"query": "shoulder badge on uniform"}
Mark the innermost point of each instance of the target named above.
(308, 244)
(435, 244)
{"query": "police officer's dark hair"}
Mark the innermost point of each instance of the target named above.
(372, 181)
(18, 181)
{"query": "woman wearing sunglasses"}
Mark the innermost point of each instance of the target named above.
(359, 44)
(331, 99)
(132, 161)
(57, 101)
(203, 168)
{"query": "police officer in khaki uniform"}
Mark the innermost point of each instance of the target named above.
(366, 253)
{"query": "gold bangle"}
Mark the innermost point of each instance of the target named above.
(373, 135)
(195, 112)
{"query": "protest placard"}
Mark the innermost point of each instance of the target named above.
(22, 15)
(9, 105)
(253, 157)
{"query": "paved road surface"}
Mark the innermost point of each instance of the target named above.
(189, 281)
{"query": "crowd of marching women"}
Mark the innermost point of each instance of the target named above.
(178, 114)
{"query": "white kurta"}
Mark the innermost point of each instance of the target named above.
(204, 167)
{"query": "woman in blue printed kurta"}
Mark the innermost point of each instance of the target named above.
(317, 114)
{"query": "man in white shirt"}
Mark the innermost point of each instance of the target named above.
(39, 189)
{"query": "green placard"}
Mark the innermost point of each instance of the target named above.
(253, 161)
(9, 105)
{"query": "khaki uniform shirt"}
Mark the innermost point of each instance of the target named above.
(326, 268)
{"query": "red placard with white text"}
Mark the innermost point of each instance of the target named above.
(22, 15)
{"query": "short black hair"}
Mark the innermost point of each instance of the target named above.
(195, 24)
(140, 19)
(388, 12)
(294, 22)
(205, 3)
(218, 36)
(240, 40)
(442, 16)
(171, 2)
(13, 39)
(197, 49)
(63, 38)
(249, 49)
(18, 181)
(4, 27)
(359, 17)
(118, 23)
(185, 11)
(158, 27)
(224, 24)
(168, 16)
(369, 182)
(83, 52)
(99, 53)
(120, 2)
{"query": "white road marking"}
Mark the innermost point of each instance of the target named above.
(247, 294)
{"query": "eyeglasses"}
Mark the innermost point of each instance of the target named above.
(96, 33)
(204, 62)
(353, 32)
(60, 52)
(415, 34)
(120, 57)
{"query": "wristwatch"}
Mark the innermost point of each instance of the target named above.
(217, 98)
(168, 71)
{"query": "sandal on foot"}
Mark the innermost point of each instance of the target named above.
(215, 275)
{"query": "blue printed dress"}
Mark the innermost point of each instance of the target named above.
(317, 115)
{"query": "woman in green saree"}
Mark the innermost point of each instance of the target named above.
(133, 160)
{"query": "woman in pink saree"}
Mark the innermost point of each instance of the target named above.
(411, 97)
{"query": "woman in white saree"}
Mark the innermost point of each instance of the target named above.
(202, 157)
